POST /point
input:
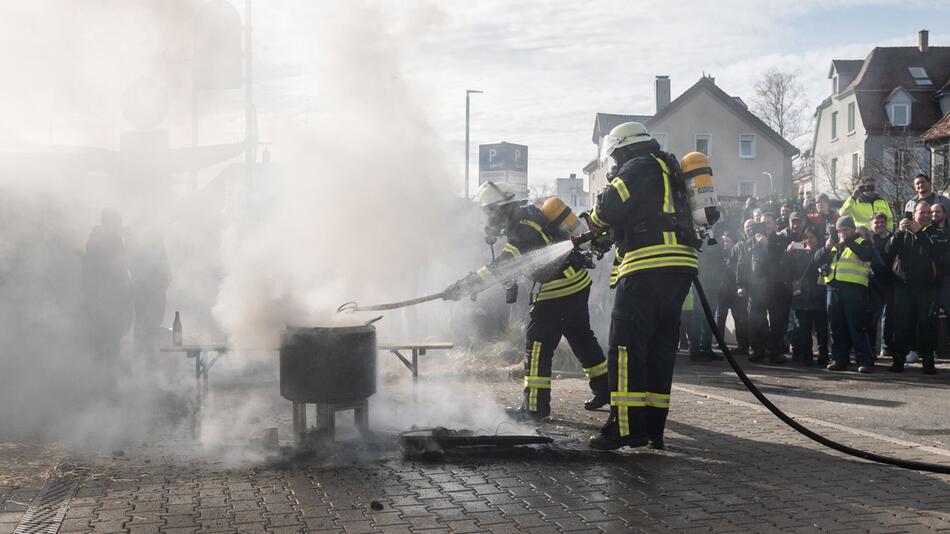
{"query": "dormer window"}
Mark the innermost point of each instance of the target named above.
(920, 76)
(899, 114)
(899, 107)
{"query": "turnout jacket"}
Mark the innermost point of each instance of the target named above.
(632, 207)
(526, 232)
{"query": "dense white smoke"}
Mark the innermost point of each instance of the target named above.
(356, 202)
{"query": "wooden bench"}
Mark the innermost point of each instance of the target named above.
(417, 349)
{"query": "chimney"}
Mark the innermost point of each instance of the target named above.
(923, 41)
(661, 90)
(573, 176)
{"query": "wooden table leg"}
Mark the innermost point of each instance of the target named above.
(361, 416)
(299, 418)
(326, 420)
(415, 365)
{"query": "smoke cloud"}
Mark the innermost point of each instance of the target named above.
(353, 202)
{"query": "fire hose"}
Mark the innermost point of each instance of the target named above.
(897, 462)
(746, 381)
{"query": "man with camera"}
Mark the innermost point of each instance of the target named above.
(916, 252)
(845, 263)
(863, 203)
(760, 278)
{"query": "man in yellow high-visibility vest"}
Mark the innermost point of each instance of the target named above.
(863, 203)
(846, 268)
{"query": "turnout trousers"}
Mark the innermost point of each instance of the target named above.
(548, 321)
(644, 330)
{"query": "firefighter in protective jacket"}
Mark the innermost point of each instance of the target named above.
(559, 309)
(645, 207)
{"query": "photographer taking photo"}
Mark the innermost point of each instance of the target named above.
(846, 261)
(864, 202)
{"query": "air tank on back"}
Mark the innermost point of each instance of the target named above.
(562, 218)
(699, 186)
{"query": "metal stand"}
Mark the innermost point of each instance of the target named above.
(326, 417)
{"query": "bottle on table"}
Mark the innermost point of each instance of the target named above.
(176, 331)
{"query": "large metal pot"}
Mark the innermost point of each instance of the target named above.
(332, 365)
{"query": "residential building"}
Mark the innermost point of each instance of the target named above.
(937, 139)
(571, 191)
(871, 123)
(747, 157)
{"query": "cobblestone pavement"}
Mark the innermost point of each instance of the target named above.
(729, 467)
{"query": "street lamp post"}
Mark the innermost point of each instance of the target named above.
(771, 183)
(468, 92)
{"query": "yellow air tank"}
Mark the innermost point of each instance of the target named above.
(699, 185)
(562, 218)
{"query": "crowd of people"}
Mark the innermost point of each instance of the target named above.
(806, 279)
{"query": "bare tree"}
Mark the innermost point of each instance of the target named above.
(903, 157)
(539, 192)
(780, 102)
(838, 184)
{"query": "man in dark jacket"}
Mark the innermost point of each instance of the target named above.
(769, 301)
(917, 253)
(845, 260)
(728, 300)
(644, 208)
(808, 300)
(881, 287)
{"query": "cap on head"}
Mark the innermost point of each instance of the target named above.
(845, 222)
(795, 215)
(492, 194)
(822, 198)
(625, 134)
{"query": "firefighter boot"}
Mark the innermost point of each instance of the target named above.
(609, 438)
(601, 390)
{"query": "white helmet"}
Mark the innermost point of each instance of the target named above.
(623, 134)
(491, 194)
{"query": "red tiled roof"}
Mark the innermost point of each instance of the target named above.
(885, 69)
(939, 130)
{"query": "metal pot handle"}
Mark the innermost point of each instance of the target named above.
(373, 320)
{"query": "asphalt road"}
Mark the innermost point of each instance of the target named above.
(908, 406)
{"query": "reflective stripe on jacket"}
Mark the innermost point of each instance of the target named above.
(640, 192)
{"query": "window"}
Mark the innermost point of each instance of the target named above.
(746, 189)
(920, 76)
(900, 114)
(703, 142)
(834, 170)
(834, 85)
(747, 146)
(834, 125)
(663, 139)
(850, 117)
(855, 165)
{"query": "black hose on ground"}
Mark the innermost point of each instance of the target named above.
(906, 464)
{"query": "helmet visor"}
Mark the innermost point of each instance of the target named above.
(608, 146)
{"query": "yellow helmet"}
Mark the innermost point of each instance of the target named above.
(621, 135)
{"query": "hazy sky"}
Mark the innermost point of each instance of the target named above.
(548, 66)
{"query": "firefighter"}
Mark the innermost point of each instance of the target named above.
(559, 309)
(646, 210)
